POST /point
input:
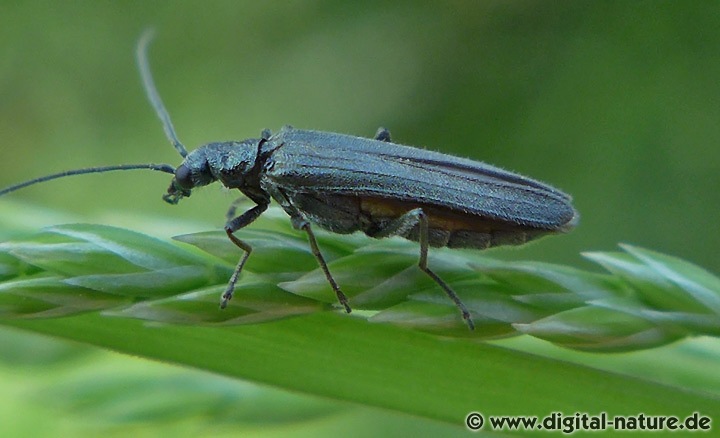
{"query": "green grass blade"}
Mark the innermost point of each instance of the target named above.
(646, 299)
(136, 294)
(379, 365)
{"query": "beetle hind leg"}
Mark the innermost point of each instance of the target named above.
(402, 226)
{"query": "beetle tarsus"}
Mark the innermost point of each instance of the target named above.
(227, 296)
(343, 300)
(383, 134)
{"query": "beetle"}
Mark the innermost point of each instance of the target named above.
(347, 184)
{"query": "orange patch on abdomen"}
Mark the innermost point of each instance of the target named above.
(438, 218)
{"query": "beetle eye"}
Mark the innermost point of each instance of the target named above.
(183, 177)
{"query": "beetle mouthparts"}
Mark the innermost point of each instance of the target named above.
(174, 195)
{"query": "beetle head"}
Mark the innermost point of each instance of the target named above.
(227, 162)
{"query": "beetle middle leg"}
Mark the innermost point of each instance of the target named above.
(383, 134)
(233, 208)
(230, 227)
(301, 224)
(401, 226)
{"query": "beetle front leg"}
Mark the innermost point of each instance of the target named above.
(230, 227)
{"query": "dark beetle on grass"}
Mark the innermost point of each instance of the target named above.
(345, 184)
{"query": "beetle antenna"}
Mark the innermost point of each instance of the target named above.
(151, 91)
(159, 167)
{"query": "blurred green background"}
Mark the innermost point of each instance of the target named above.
(616, 103)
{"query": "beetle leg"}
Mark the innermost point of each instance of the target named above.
(401, 226)
(233, 208)
(383, 134)
(301, 224)
(230, 227)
